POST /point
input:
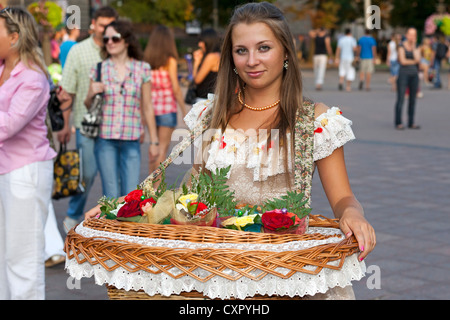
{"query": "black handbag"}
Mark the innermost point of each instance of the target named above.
(54, 112)
(90, 125)
(191, 93)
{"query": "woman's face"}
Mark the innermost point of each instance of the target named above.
(257, 54)
(114, 43)
(411, 35)
(5, 40)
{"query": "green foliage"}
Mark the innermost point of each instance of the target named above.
(213, 190)
(172, 13)
(204, 8)
(293, 201)
(106, 206)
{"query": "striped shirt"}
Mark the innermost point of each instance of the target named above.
(122, 100)
(75, 78)
(162, 93)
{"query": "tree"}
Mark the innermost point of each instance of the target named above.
(413, 13)
(204, 10)
(172, 13)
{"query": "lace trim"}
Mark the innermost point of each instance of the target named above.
(300, 284)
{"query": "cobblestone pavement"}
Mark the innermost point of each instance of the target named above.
(402, 179)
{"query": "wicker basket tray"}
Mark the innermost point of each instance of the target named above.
(112, 253)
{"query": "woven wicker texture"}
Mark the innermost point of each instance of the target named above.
(252, 264)
(121, 294)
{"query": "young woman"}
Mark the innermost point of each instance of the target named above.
(258, 62)
(259, 89)
(161, 53)
(206, 63)
(127, 108)
(26, 165)
(409, 58)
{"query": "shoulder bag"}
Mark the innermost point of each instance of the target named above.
(90, 125)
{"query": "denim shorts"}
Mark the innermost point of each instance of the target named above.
(394, 68)
(167, 120)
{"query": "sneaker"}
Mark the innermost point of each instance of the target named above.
(69, 223)
(54, 260)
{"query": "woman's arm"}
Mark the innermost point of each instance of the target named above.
(94, 88)
(210, 63)
(333, 175)
(149, 119)
(173, 74)
(408, 62)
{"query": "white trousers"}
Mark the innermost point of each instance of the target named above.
(25, 195)
(320, 66)
(54, 243)
(347, 70)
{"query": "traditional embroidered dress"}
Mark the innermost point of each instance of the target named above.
(258, 169)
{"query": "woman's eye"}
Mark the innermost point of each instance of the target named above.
(264, 48)
(240, 51)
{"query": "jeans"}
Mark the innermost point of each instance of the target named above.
(437, 73)
(411, 81)
(119, 163)
(78, 202)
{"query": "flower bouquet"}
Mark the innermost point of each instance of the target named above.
(286, 215)
(136, 207)
(194, 203)
(198, 203)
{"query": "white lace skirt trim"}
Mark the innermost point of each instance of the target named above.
(300, 284)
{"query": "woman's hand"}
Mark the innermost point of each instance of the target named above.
(153, 152)
(92, 213)
(353, 223)
(97, 87)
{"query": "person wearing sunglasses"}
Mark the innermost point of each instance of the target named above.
(26, 165)
(75, 81)
(127, 109)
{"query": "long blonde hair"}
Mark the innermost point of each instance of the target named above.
(21, 21)
(229, 83)
(227, 80)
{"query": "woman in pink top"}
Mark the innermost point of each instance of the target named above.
(161, 54)
(26, 166)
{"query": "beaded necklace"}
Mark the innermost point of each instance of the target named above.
(256, 109)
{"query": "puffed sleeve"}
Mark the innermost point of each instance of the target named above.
(331, 131)
(198, 112)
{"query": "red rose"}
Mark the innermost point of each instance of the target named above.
(275, 219)
(144, 202)
(200, 206)
(133, 195)
(130, 209)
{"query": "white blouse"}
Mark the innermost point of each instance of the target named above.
(236, 147)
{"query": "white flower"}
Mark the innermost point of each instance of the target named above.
(116, 210)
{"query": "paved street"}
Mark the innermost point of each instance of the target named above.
(402, 179)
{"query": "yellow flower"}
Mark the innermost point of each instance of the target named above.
(245, 220)
(324, 122)
(229, 221)
(192, 197)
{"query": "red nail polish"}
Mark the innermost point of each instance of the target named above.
(362, 248)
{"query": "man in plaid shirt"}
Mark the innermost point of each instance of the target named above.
(75, 82)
